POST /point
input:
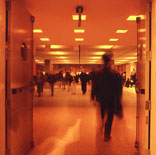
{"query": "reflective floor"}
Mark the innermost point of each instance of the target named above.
(67, 124)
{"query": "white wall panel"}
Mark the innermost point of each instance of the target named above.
(2, 77)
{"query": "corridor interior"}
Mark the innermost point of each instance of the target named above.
(67, 124)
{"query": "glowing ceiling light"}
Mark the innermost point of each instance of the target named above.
(121, 31)
(99, 53)
(41, 46)
(76, 17)
(142, 30)
(93, 60)
(79, 30)
(57, 46)
(113, 39)
(64, 60)
(37, 31)
(133, 18)
(95, 57)
(62, 57)
(44, 39)
(104, 46)
(57, 53)
(79, 39)
(130, 58)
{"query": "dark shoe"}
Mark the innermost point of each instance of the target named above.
(107, 138)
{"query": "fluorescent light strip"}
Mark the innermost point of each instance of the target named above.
(133, 18)
(44, 39)
(76, 17)
(79, 30)
(56, 46)
(113, 39)
(79, 39)
(104, 46)
(37, 31)
(99, 53)
(121, 31)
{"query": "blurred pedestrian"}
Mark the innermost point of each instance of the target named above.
(84, 79)
(105, 90)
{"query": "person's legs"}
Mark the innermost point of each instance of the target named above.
(108, 124)
(52, 89)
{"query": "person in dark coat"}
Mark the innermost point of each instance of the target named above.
(51, 79)
(84, 79)
(105, 90)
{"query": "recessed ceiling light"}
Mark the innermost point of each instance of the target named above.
(133, 17)
(37, 31)
(41, 46)
(57, 53)
(57, 46)
(64, 60)
(104, 46)
(121, 31)
(113, 39)
(62, 57)
(76, 17)
(99, 53)
(79, 30)
(93, 60)
(95, 57)
(79, 39)
(44, 39)
(142, 30)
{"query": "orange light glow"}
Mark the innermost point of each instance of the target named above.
(57, 46)
(41, 46)
(95, 57)
(79, 30)
(104, 46)
(99, 53)
(44, 39)
(57, 53)
(62, 57)
(79, 39)
(121, 31)
(76, 17)
(133, 17)
(113, 39)
(37, 31)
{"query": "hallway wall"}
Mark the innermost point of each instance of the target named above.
(2, 77)
(153, 85)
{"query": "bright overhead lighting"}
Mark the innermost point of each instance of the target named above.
(76, 17)
(93, 60)
(44, 39)
(37, 31)
(121, 31)
(57, 46)
(130, 58)
(41, 46)
(99, 53)
(57, 53)
(64, 60)
(133, 18)
(79, 30)
(95, 57)
(62, 57)
(79, 39)
(142, 30)
(104, 46)
(113, 39)
(39, 61)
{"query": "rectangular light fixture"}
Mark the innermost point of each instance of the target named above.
(79, 39)
(41, 46)
(37, 31)
(99, 53)
(79, 30)
(57, 53)
(64, 60)
(93, 60)
(142, 30)
(61, 57)
(121, 31)
(103, 46)
(133, 17)
(76, 17)
(113, 39)
(44, 39)
(56, 46)
(95, 57)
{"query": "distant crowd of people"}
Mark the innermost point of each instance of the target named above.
(65, 80)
